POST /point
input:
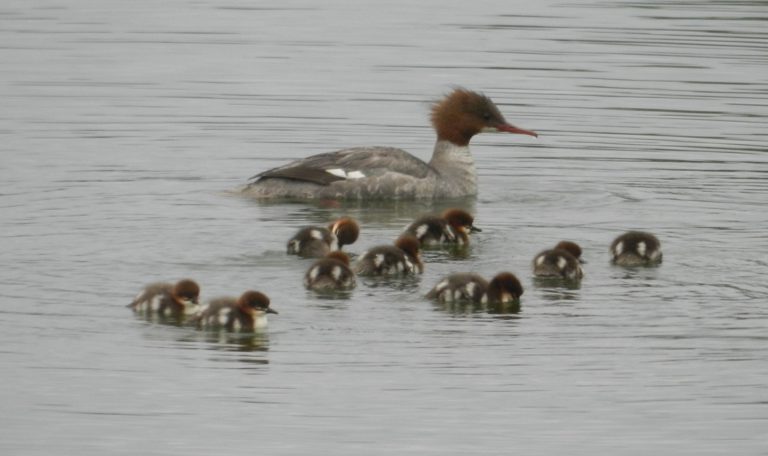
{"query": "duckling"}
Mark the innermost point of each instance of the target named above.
(330, 273)
(317, 241)
(563, 261)
(402, 258)
(452, 227)
(168, 299)
(636, 248)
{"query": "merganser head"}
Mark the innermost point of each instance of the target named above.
(572, 248)
(462, 114)
(254, 303)
(339, 256)
(460, 220)
(346, 230)
(186, 292)
(504, 287)
(409, 244)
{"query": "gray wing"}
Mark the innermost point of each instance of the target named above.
(354, 163)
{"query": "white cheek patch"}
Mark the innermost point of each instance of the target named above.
(295, 246)
(641, 248)
(338, 172)
(539, 260)
(441, 286)
(561, 263)
(619, 248)
(336, 273)
(471, 289)
(313, 273)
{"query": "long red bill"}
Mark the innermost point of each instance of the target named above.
(512, 129)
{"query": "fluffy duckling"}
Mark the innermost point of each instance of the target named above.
(402, 258)
(452, 227)
(167, 299)
(247, 313)
(317, 241)
(330, 273)
(470, 287)
(563, 261)
(636, 248)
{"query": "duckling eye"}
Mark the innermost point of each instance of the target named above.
(486, 116)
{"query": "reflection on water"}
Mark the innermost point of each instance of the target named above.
(125, 125)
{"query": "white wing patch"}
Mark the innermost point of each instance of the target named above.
(619, 248)
(313, 273)
(561, 263)
(539, 260)
(315, 234)
(641, 248)
(471, 289)
(378, 260)
(338, 172)
(336, 273)
(421, 230)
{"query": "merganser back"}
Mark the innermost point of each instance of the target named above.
(316, 241)
(452, 227)
(390, 173)
(564, 261)
(636, 248)
(168, 299)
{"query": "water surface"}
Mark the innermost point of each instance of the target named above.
(125, 124)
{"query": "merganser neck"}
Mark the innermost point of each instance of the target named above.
(455, 167)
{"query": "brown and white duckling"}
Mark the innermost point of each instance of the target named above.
(636, 248)
(330, 273)
(247, 313)
(564, 261)
(452, 227)
(470, 287)
(402, 258)
(167, 299)
(317, 241)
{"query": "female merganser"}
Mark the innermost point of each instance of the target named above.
(245, 314)
(503, 288)
(452, 227)
(636, 248)
(402, 258)
(168, 299)
(563, 261)
(390, 173)
(330, 273)
(316, 241)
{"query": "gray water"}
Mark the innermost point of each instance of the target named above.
(124, 125)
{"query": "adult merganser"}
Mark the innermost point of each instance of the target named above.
(168, 299)
(564, 261)
(402, 258)
(330, 273)
(469, 287)
(390, 173)
(316, 241)
(245, 314)
(452, 227)
(636, 248)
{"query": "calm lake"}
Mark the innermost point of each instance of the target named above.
(126, 125)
